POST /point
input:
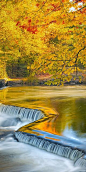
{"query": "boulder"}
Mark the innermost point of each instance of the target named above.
(2, 83)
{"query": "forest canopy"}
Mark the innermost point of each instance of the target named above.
(43, 37)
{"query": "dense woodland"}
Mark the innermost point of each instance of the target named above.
(43, 37)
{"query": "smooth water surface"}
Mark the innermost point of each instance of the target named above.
(68, 107)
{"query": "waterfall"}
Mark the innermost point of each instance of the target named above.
(74, 154)
(9, 122)
(22, 113)
(81, 162)
(60, 145)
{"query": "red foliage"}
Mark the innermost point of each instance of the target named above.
(26, 17)
(37, 21)
(32, 29)
(69, 31)
(63, 22)
(59, 8)
(48, 10)
(23, 26)
(43, 2)
(84, 10)
(54, 21)
(17, 23)
(29, 21)
(54, 7)
(37, 5)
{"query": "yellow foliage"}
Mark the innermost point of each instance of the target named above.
(49, 29)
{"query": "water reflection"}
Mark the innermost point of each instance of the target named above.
(72, 115)
(65, 105)
(65, 110)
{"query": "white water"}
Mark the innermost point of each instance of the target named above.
(19, 157)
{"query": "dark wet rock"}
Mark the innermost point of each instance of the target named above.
(2, 83)
(14, 83)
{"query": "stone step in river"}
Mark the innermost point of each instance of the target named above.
(74, 150)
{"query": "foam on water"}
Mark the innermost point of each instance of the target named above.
(16, 117)
(21, 157)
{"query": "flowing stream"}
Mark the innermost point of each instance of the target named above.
(50, 128)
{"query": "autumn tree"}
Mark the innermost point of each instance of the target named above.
(53, 31)
(65, 39)
(16, 42)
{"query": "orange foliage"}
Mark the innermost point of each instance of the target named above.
(53, 31)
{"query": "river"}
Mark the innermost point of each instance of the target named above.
(67, 105)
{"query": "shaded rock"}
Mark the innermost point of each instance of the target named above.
(2, 83)
(14, 83)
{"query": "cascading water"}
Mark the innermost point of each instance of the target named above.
(67, 150)
(50, 146)
(22, 113)
(16, 116)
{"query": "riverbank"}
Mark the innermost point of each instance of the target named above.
(33, 82)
